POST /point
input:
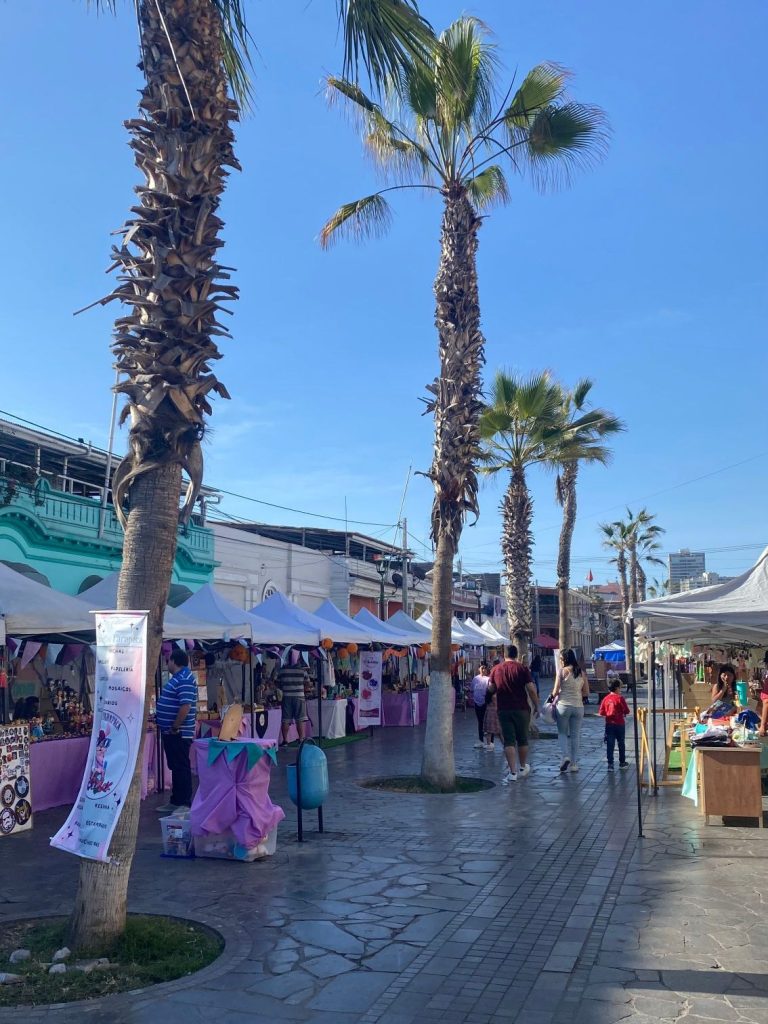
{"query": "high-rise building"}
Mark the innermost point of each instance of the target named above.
(685, 565)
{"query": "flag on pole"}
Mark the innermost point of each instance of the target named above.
(590, 577)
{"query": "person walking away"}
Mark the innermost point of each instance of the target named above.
(491, 726)
(176, 715)
(614, 709)
(291, 680)
(479, 691)
(536, 670)
(571, 687)
(512, 684)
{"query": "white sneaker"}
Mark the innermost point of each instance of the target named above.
(478, 746)
(573, 768)
(509, 777)
(525, 771)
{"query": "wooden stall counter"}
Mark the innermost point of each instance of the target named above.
(729, 783)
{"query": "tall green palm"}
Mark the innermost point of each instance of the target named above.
(446, 128)
(643, 548)
(617, 538)
(590, 428)
(194, 56)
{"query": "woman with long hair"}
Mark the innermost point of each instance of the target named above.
(571, 687)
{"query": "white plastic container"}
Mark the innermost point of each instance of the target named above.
(224, 846)
(177, 836)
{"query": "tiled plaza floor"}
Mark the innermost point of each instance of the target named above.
(534, 903)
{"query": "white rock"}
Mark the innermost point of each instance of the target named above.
(57, 969)
(18, 955)
(62, 954)
(86, 966)
(9, 979)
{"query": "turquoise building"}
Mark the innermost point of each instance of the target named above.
(55, 525)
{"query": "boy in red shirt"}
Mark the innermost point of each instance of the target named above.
(614, 710)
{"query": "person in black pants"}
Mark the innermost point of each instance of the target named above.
(176, 717)
(479, 691)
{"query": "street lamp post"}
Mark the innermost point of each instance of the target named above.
(381, 568)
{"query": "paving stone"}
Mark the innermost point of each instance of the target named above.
(352, 993)
(327, 935)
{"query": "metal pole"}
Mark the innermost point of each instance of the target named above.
(633, 683)
(652, 684)
(253, 713)
(160, 777)
(320, 700)
(405, 566)
(382, 614)
(108, 468)
(300, 822)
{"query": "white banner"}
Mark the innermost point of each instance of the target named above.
(369, 703)
(118, 714)
(15, 794)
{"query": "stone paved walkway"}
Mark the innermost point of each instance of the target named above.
(534, 903)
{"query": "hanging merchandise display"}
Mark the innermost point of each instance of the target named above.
(15, 788)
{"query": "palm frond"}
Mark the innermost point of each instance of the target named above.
(336, 87)
(542, 86)
(488, 188)
(466, 65)
(580, 392)
(385, 36)
(395, 153)
(368, 217)
(235, 44)
(563, 139)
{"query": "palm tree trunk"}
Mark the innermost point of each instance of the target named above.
(516, 545)
(568, 477)
(99, 912)
(173, 284)
(456, 405)
(621, 565)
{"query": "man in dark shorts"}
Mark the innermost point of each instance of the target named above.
(513, 685)
(291, 680)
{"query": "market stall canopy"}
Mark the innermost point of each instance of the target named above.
(177, 625)
(287, 623)
(479, 638)
(420, 634)
(383, 632)
(496, 637)
(208, 604)
(735, 611)
(610, 652)
(28, 608)
(542, 640)
(457, 634)
(345, 629)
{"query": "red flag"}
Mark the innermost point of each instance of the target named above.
(590, 577)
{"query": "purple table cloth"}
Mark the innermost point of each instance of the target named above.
(233, 797)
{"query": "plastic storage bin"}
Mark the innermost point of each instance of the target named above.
(224, 846)
(177, 836)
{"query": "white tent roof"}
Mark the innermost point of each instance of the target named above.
(383, 632)
(494, 634)
(29, 608)
(287, 623)
(615, 646)
(208, 604)
(344, 629)
(457, 634)
(420, 634)
(479, 638)
(736, 611)
(176, 624)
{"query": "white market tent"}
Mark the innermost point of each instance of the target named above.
(479, 638)
(176, 624)
(736, 611)
(207, 603)
(344, 628)
(400, 620)
(28, 608)
(458, 636)
(610, 652)
(496, 637)
(287, 623)
(383, 632)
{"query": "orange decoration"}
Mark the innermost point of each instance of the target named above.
(352, 648)
(343, 652)
(326, 643)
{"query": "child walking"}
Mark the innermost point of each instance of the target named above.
(614, 710)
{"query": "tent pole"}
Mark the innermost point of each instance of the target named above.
(410, 688)
(250, 668)
(633, 683)
(160, 771)
(652, 684)
(320, 699)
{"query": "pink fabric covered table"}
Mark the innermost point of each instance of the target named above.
(57, 767)
(233, 793)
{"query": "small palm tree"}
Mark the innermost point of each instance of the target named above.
(444, 127)
(524, 425)
(194, 56)
(616, 537)
(589, 428)
(644, 547)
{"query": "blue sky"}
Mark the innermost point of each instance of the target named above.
(647, 275)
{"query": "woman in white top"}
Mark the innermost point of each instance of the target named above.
(571, 687)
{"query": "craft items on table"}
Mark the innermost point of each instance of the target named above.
(15, 786)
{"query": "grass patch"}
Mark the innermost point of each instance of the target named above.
(152, 950)
(415, 784)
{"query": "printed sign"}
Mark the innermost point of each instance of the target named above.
(15, 788)
(369, 703)
(118, 714)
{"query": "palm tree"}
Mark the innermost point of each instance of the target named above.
(616, 537)
(524, 426)
(589, 430)
(445, 128)
(194, 55)
(644, 548)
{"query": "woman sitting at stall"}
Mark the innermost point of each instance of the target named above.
(723, 694)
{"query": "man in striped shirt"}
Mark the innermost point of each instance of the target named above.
(176, 716)
(291, 680)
